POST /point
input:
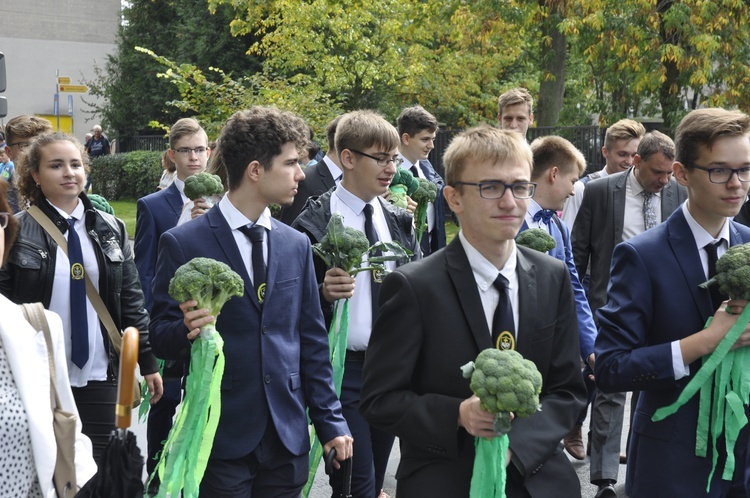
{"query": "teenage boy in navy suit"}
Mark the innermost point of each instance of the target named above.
(277, 364)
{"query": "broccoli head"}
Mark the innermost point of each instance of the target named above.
(504, 381)
(425, 193)
(402, 184)
(203, 185)
(101, 203)
(537, 239)
(342, 247)
(733, 272)
(209, 282)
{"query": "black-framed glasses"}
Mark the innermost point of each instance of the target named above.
(382, 160)
(4, 218)
(186, 151)
(496, 189)
(20, 145)
(724, 175)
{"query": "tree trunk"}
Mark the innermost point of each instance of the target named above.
(552, 79)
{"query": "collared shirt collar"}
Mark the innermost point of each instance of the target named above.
(77, 212)
(236, 219)
(335, 171)
(485, 272)
(701, 236)
(354, 203)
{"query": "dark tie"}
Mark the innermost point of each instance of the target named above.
(256, 234)
(372, 237)
(414, 170)
(716, 297)
(545, 215)
(503, 325)
(79, 323)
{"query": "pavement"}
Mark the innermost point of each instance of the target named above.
(321, 489)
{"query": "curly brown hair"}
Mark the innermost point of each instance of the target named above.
(10, 230)
(29, 163)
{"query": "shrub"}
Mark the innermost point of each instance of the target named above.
(130, 175)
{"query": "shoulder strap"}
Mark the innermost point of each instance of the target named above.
(34, 314)
(93, 295)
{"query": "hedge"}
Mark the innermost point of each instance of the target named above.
(129, 175)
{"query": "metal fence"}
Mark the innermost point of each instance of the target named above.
(143, 142)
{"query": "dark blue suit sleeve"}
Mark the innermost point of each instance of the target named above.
(145, 249)
(168, 332)
(586, 327)
(626, 357)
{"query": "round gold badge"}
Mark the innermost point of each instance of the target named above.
(262, 292)
(506, 341)
(77, 271)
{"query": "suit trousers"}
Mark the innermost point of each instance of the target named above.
(96, 407)
(270, 470)
(606, 430)
(372, 447)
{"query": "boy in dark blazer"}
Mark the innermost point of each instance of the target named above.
(652, 331)
(277, 364)
(437, 314)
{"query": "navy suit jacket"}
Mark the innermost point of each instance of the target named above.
(564, 252)
(654, 299)
(155, 214)
(277, 362)
(436, 240)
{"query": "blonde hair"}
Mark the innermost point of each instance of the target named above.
(704, 127)
(552, 150)
(359, 130)
(624, 129)
(484, 143)
(514, 97)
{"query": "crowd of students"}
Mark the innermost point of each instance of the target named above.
(618, 295)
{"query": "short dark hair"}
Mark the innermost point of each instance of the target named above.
(257, 134)
(10, 230)
(331, 133)
(705, 127)
(654, 142)
(414, 119)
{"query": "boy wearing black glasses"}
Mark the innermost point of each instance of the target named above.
(367, 146)
(481, 291)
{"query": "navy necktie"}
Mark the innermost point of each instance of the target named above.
(503, 324)
(545, 215)
(372, 237)
(79, 324)
(256, 234)
(711, 250)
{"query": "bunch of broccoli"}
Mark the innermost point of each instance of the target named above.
(733, 272)
(403, 184)
(203, 185)
(537, 239)
(504, 381)
(209, 282)
(101, 203)
(345, 247)
(423, 196)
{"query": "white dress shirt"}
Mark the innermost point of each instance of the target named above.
(633, 223)
(237, 220)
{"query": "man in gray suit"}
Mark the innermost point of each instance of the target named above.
(614, 209)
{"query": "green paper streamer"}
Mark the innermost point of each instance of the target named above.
(185, 455)
(488, 476)
(724, 384)
(420, 220)
(337, 338)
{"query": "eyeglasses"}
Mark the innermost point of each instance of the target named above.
(4, 218)
(186, 151)
(382, 160)
(20, 145)
(724, 175)
(496, 189)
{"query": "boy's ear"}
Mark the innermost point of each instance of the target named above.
(405, 138)
(253, 171)
(552, 174)
(347, 159)
(680, 173)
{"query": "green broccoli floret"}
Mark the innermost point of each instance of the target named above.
(203, 185)
(425, 193)
(504, 381)
(402, 184)
(342, 247)
(101, 203)
(209, 282)
(733, 272)
(537, 239)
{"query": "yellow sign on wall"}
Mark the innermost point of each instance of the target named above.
(66, 122)
(74, 88)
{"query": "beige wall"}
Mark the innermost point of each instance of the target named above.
(41, 37)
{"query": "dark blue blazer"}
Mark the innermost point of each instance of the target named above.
(155, 214)
(564, 252)
(437, 236)
(277, 361)
(654, 299)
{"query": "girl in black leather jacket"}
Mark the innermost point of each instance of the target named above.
(51, 175)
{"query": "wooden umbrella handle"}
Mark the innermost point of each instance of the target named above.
(126, 377)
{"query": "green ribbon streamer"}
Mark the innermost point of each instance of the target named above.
(185, 456)
(488, 476)
(337, 338)
(724, 384)
(420, 220)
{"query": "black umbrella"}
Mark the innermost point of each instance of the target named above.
(121, 466)
(346, 485)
